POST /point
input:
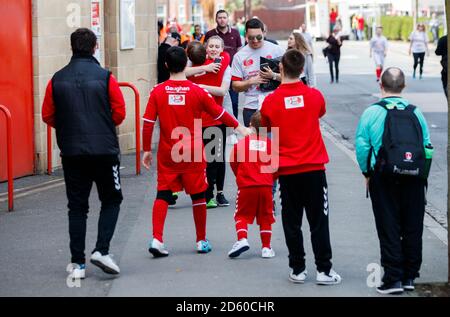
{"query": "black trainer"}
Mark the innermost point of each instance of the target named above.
(221, 200)
(408, 285)
(392, 288)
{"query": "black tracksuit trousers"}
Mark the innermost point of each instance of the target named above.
(215, 168)
(79, 174)
(309, 192)
(399, 206)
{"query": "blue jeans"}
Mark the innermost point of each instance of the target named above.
(247, 114)
(235, 102)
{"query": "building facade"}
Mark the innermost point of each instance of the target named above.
(189, 11)
(280, 16)
(40, 46)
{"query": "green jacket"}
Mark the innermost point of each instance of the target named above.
(369, 133)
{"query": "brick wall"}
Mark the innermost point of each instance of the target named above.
(51, 52)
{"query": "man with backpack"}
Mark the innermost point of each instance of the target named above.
(394, 153)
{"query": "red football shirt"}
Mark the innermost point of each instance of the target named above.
(178, 104)
(251, 162)
(333, 17)
(296, 109)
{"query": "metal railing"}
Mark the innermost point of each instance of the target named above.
(137, 101)
(9, 160)
(138, 133)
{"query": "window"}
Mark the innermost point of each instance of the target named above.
(161, 12)
(181, 13)
(197, 14)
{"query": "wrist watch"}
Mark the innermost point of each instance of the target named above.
(274, 77)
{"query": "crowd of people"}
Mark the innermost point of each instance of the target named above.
(196, 101)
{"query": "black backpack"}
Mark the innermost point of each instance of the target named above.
(402, 151)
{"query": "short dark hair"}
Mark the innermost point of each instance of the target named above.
(221, 11)
(393, 80)
(293, 62)
(255, 121)
(176, 59)
(83, 41)
(196, 52)
(254, 24)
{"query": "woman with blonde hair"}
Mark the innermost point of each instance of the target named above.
(418, 47)
(296, 41)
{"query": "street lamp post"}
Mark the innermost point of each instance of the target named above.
(447, 11)
(247, 9)
(416, 12)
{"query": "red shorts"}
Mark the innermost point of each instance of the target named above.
(192, 183)
(255, 202)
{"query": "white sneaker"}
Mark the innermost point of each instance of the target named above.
(331, 279)
(267, 253)
(76, 271)
(299, 278)
(238, 248)
(105, 262)
(158, 249)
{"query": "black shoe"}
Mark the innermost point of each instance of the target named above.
(391, 288)
(408, 285)
(221, 200)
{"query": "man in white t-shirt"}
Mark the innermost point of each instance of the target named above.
(245, 71)
(378, 49)
(307, 36)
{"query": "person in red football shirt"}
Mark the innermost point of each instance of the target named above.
(333, 19)
(295, 109)
(179, 104)
(251, 163)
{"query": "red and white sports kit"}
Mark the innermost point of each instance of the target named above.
(295, 109)
(301, 147)
(180, 157)
(251, 163)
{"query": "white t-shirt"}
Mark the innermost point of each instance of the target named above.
(378, 44)
(418, 40)
(246, 64)
(227, 76)
(308, 39)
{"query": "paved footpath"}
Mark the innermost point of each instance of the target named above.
(34, 239)
(34, 246)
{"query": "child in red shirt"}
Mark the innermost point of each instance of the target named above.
(251, 163)
(178, 103)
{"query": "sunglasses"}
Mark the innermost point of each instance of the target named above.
(257, 37)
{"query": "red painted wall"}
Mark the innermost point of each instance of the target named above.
(16, 84)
